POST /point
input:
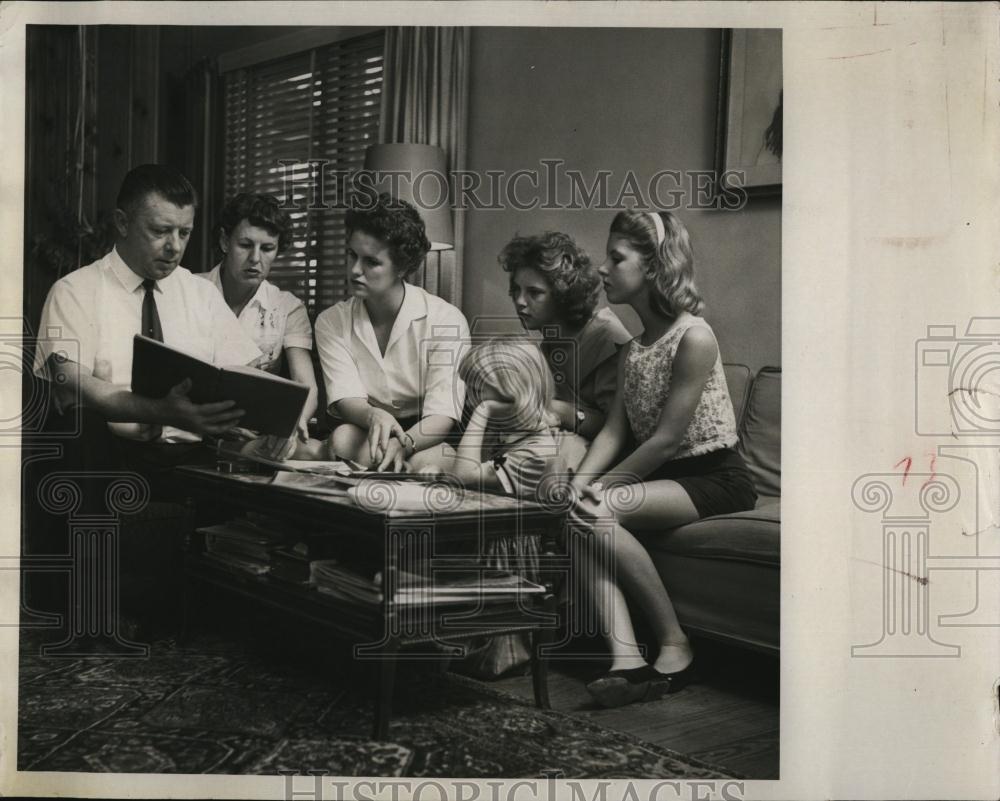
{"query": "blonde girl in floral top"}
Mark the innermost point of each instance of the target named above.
(665, 456)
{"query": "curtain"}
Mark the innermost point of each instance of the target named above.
(279, 116)
(425, 94)
(201, 157)
(63, 226)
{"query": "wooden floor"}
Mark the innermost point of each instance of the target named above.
(730, 718)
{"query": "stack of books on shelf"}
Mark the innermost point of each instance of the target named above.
(246, 544)
(290, 563)
(448, 585)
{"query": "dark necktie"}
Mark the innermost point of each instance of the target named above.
(150, 318)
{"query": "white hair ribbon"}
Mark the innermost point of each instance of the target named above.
(661, 232)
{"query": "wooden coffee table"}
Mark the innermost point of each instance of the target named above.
(459, 528)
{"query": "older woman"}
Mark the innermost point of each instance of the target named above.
(253, 229)
(390, 353)
(555, 290)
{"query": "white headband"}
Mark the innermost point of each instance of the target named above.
(661, 232)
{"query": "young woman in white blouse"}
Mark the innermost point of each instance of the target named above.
(390, 353)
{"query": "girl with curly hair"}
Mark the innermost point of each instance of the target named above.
(555, 291)
(665, 456)
(389, 353)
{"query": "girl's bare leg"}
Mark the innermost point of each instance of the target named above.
(660, 504)
(441, 455)
(611, 617)
(348, 441)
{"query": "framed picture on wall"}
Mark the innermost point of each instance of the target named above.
(749, 140)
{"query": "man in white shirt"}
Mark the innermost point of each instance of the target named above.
(140, 287)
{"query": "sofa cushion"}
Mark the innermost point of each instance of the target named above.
(734, 602)
(751, 536)
(760, 435)
(738, 382)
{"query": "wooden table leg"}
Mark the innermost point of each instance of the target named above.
(540, 668)
(386, 682)
(185, 628)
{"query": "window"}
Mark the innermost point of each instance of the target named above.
(321, 104)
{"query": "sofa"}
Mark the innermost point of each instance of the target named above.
(723, 573)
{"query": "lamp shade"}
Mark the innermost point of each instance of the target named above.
(417, 174)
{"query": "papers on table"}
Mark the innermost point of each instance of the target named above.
(310, 482)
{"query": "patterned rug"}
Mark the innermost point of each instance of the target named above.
(224, 706)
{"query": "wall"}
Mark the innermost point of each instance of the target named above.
(92, 106)
(638, 99)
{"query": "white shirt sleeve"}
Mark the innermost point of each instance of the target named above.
(232, 346)
(445, 391)
(298, 331)
(67, 326)
(341, 376)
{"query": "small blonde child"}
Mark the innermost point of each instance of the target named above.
(508, 446)
(508, 442)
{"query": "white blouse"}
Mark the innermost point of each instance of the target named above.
(273, 318)
(417, 376)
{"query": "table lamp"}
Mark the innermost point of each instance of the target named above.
(412, 160)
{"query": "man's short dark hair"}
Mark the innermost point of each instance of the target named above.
(148, 179)
(261, 211)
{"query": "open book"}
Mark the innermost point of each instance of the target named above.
(272, 404)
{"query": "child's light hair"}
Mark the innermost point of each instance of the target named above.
(516, 370)
(670, 262)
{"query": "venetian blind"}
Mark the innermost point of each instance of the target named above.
(281, 117)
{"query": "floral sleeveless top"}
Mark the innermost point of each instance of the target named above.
(647, 385)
